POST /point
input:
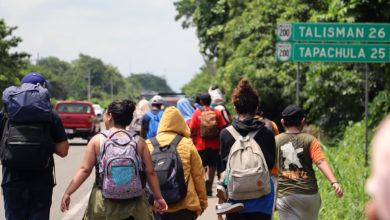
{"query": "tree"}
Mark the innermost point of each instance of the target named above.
(11, 63)
(150, 82)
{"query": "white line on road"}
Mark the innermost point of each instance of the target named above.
(76, 208)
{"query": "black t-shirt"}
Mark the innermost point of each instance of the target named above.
(12, 177)
(265, 138)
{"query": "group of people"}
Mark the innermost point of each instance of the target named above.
(259, 169)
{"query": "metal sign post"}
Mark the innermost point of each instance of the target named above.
(366, 113)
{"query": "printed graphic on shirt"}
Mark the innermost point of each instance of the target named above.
(292, 165)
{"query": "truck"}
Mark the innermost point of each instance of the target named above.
(78, 118)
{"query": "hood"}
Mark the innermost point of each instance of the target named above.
(173, 121)
(247, 125)
(185, 108)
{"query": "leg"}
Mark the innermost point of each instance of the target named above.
(183, 214)
(40, 202)
(211, 175)
(15, 203)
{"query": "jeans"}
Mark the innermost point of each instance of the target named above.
(32, 203)
(183, 214)
(248, 216)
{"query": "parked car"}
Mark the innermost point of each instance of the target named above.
(98, 111)
(78, 118)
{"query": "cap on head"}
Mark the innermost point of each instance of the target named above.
(293, 111)
(35, 78)
(158, 100)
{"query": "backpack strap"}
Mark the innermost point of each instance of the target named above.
(154, 142)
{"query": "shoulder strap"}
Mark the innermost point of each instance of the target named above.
(176, 140)
(233, 132)
(154, 142)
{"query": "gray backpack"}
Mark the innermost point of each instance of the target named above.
(249, 177)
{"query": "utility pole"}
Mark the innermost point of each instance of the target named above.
(89, 86)
(112, 95)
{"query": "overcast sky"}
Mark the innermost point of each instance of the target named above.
(136, 36)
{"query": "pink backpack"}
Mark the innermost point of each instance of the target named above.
(119, 166)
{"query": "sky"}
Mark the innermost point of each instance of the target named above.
(136, 36)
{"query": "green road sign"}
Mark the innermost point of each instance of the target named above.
(356, 32)
(311, 52)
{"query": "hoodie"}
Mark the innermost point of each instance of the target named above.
(171, 124)
(266, 140)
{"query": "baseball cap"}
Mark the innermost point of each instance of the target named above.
(35, 78)
(293, 111)
(156, 100)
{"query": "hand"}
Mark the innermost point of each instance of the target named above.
(160, 206)
(338, 190)
(203, 208)
(65, 202)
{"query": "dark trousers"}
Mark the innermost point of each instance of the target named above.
(27, 203)
(183, 214)
(248, 216)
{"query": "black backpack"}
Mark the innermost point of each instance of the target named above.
(169, 169)
(26, 146)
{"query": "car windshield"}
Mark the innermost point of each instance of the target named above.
(74, 107)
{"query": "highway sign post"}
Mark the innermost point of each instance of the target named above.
(318, 51)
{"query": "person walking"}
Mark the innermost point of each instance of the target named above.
(28, 190)
(206, 124)
(186, 109)
(217, 103)
(150, 121)
(194, 203)
(258, 201)
(107, 202)
(298, 196)
(143, 106)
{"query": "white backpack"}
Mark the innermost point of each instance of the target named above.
(249, 177)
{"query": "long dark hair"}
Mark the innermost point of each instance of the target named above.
(122, 111)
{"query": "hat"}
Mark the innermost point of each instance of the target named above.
(293, 111)
(215, 94)
(156, 100)
(35, 78)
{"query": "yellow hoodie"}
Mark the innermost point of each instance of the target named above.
(171, 124)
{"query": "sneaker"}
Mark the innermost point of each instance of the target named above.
(221, 192)
(227, 208)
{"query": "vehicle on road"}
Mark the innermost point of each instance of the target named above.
(169, 98)
(78, 118)
(98, 111)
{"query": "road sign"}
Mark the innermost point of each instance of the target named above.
(312, 52)
(341, 32)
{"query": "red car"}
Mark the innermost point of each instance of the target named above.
(78, 118)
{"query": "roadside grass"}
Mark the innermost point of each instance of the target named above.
(347, 162)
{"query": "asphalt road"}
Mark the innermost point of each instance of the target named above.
(65, 169)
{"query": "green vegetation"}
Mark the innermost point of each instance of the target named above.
(238, 38)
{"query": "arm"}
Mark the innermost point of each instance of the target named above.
(82, 172)
(198, 175)
(61, 148)
(142, 133)
(159, 203)
(327, 171)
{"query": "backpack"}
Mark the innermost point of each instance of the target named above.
(249, 176)
(26, 146)
(27, 103)
(169, 169)
(209, 128)
(119, 166)
(153, 124)
(135, 124)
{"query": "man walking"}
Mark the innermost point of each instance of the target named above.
(151, 120)
(298, 196)
(206, 123)
(27, 149)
